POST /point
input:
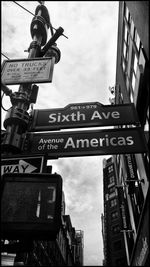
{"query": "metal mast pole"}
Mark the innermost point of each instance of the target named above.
(17, 118)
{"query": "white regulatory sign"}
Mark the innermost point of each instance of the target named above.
(20, 71)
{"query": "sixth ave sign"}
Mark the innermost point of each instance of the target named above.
(84, 143)
(83, 115)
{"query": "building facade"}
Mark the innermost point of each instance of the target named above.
(112, 227)
(132, 86)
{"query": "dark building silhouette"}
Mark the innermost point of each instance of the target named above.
(65, 250)
(114, 247)
(132, 170)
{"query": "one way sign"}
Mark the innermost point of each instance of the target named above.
(23, 165)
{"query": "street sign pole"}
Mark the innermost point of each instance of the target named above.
(15, 126)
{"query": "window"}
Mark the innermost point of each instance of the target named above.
(146, 126)
(126, 35)
(133, 81)
(134, 65)
(127, 13)
(114, 215)
(111, 179)
(125, 42)
(118, 159)
(131, 97)
(113, 202)
(112, 189)
(116, 229)
(110, 168)
(109, 160)
(125, 48)
(136, 40)
(124, 65)
(107, 197)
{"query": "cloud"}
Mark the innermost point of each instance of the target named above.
(82, 185)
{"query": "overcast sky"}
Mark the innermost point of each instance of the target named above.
(85, 72)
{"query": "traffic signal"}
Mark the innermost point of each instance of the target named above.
(31, 206)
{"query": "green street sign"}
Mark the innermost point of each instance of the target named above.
(83, 115)
(84, 143)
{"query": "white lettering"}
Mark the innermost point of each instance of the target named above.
(130, 141)
(101, 141)
(65, 118)
(70, 143)
(107, 115)
(103, 115)
(49, 141)
(121, 141)
(94, 142)
(52, 117)
(115, 115)
(58, 117)
(73, 116)
(82, 141)
(50, 146)
(96, 115)
(112, 141)
(41, 147)
(80, 115)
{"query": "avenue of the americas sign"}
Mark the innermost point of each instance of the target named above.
(20, 71)
(83, 115)
(84, 143)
